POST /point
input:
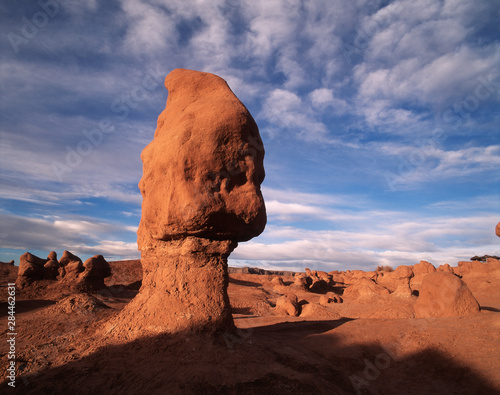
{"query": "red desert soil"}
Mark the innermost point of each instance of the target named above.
(61, 345)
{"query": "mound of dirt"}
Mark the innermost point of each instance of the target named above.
(80, 304)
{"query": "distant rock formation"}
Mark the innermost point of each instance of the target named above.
(201, 196)
(8, 272)
(443, 294)
(69, 271)
(420, 271)
(288, 305)
(364, 288)
(398, 279)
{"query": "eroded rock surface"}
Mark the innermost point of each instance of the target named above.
(69, 271)
(201, 196)
(443, 294)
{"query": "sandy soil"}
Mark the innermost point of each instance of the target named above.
(341, 348)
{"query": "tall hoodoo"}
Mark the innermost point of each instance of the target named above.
(201, 196)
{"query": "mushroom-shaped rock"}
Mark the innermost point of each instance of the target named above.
(51, 269)
(72, 270)
(330, 297)
(96, 269)
(300, 282)
(288, 304)
(52, 256)
(443, 294)
(67, 257)
(30, 269)
(201, 196)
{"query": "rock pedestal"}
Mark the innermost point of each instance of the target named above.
(184, 287)
(201, 196)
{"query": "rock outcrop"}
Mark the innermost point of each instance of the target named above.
(364, 289)
(398, 279)
(443, 294)
(96, 269)
(420, 271)
(68, 272)
(201, 196)
(31, 268)
(288, 305)
(330, 297)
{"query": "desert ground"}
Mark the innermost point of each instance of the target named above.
(349, 342)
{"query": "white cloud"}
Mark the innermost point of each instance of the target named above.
(323, 98)
(287, 211)
(80, 236)
(417, 55)
(151, 28)
(419, 165)
(286, 110)
(397, 239)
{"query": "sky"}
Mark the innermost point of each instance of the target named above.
(380, 121)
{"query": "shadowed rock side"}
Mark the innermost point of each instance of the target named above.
(69, 272)
(201, 196)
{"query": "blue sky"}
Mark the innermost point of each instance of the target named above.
(380, 121)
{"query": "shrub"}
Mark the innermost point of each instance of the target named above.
(384, 269)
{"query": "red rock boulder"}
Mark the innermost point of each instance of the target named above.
(443, 294)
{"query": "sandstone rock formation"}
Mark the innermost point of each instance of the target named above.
(328, 298)
(364, 289)
(420, 271)
(318, 311)
(96, 269)
(69, 272)
(300, 282)
(443, 294)
(201, 196)
(397, 279)
(497, 230)
(31, 268)
(288, 305)
(70, 265)
(445, 268)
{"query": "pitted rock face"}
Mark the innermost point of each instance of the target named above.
(203, 170)
(201, 196)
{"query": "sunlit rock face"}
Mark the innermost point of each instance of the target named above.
(201, 196)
